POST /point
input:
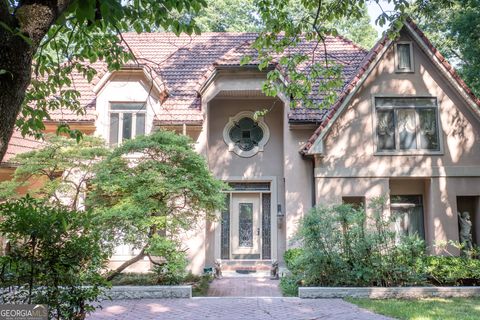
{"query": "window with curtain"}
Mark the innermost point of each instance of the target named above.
(404, 57)
(407, 124)
(127, 120)
(407, 212)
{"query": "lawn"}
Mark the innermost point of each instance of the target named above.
(424, 309)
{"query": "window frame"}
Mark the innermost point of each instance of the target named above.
(412, 62)
(121, 113)
(397, 150)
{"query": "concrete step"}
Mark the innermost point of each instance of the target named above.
(246, 268)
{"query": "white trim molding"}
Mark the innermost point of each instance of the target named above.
(233, 147)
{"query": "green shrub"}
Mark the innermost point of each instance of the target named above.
(342, 248)
(53, 254)
(171, 269)
(291, 257)
(134, 279)
(451, 270)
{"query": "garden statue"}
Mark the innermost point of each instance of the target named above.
(465, 232)
(274, 270)
(218, 269)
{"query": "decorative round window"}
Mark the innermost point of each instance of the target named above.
(244, 135)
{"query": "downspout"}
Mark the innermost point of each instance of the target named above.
(314, 196)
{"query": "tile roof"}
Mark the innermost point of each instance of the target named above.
(19, 144)
(185, 62)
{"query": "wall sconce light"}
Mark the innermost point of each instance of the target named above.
(280, 216)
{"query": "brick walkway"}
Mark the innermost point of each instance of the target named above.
(232, 309)
(244, 287)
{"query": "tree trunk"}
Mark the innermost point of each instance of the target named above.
(33, 19)
(16, 60)
(126, 264)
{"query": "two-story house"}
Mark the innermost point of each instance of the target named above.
(404, 126)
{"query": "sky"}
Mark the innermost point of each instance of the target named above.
(374, 11)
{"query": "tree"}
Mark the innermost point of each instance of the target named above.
(54, 257)
(42, 42)
(453, 27)
(229, 16)
(150, 190)
(58, 173)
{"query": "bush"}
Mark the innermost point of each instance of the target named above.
(342, 248)
(52, 254)
(451, 271)
(134, 279)
(171, 266)
(291, 257)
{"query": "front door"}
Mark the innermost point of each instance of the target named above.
(246, 226)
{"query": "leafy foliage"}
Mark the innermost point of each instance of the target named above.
(58, 172)
(152, 189)
(52, 254)
(81, 34)
(451, 270)
(452, 26)
(311, 79)
(338, 250)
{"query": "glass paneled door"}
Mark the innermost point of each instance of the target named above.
(245, 227)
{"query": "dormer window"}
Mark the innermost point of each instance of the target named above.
(127, 120)
(404, 57)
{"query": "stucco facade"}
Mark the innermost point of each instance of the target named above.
(350, 164)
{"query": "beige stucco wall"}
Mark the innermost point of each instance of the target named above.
(350, 166)
(124, 87)
(227, 165)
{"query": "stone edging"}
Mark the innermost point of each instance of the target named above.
(385, 293)
(148, 292)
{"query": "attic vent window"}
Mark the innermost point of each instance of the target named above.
(404, 57)
(244, 135)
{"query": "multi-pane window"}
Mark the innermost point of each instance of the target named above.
(407, 214)
(407, 124)
(404, 57)
(127, 120)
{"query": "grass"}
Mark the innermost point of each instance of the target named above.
(424, 309)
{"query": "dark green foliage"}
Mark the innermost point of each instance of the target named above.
(453, 27)
(52, 254)
(341, 247)
(135, 279)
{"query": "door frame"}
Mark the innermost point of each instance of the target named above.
(273, 217)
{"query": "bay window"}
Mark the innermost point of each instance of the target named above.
(406, 124)
(127, 120)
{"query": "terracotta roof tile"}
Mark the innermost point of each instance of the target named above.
(19, 144)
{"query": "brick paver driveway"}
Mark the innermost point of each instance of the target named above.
(232, 309)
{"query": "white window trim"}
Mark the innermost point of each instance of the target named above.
(400, 152)
(134, 113)
(412, 62)
(232, 147)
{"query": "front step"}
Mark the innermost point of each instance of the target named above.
(246, 268)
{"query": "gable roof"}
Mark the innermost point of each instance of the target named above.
(184, 63)
(375, 54)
